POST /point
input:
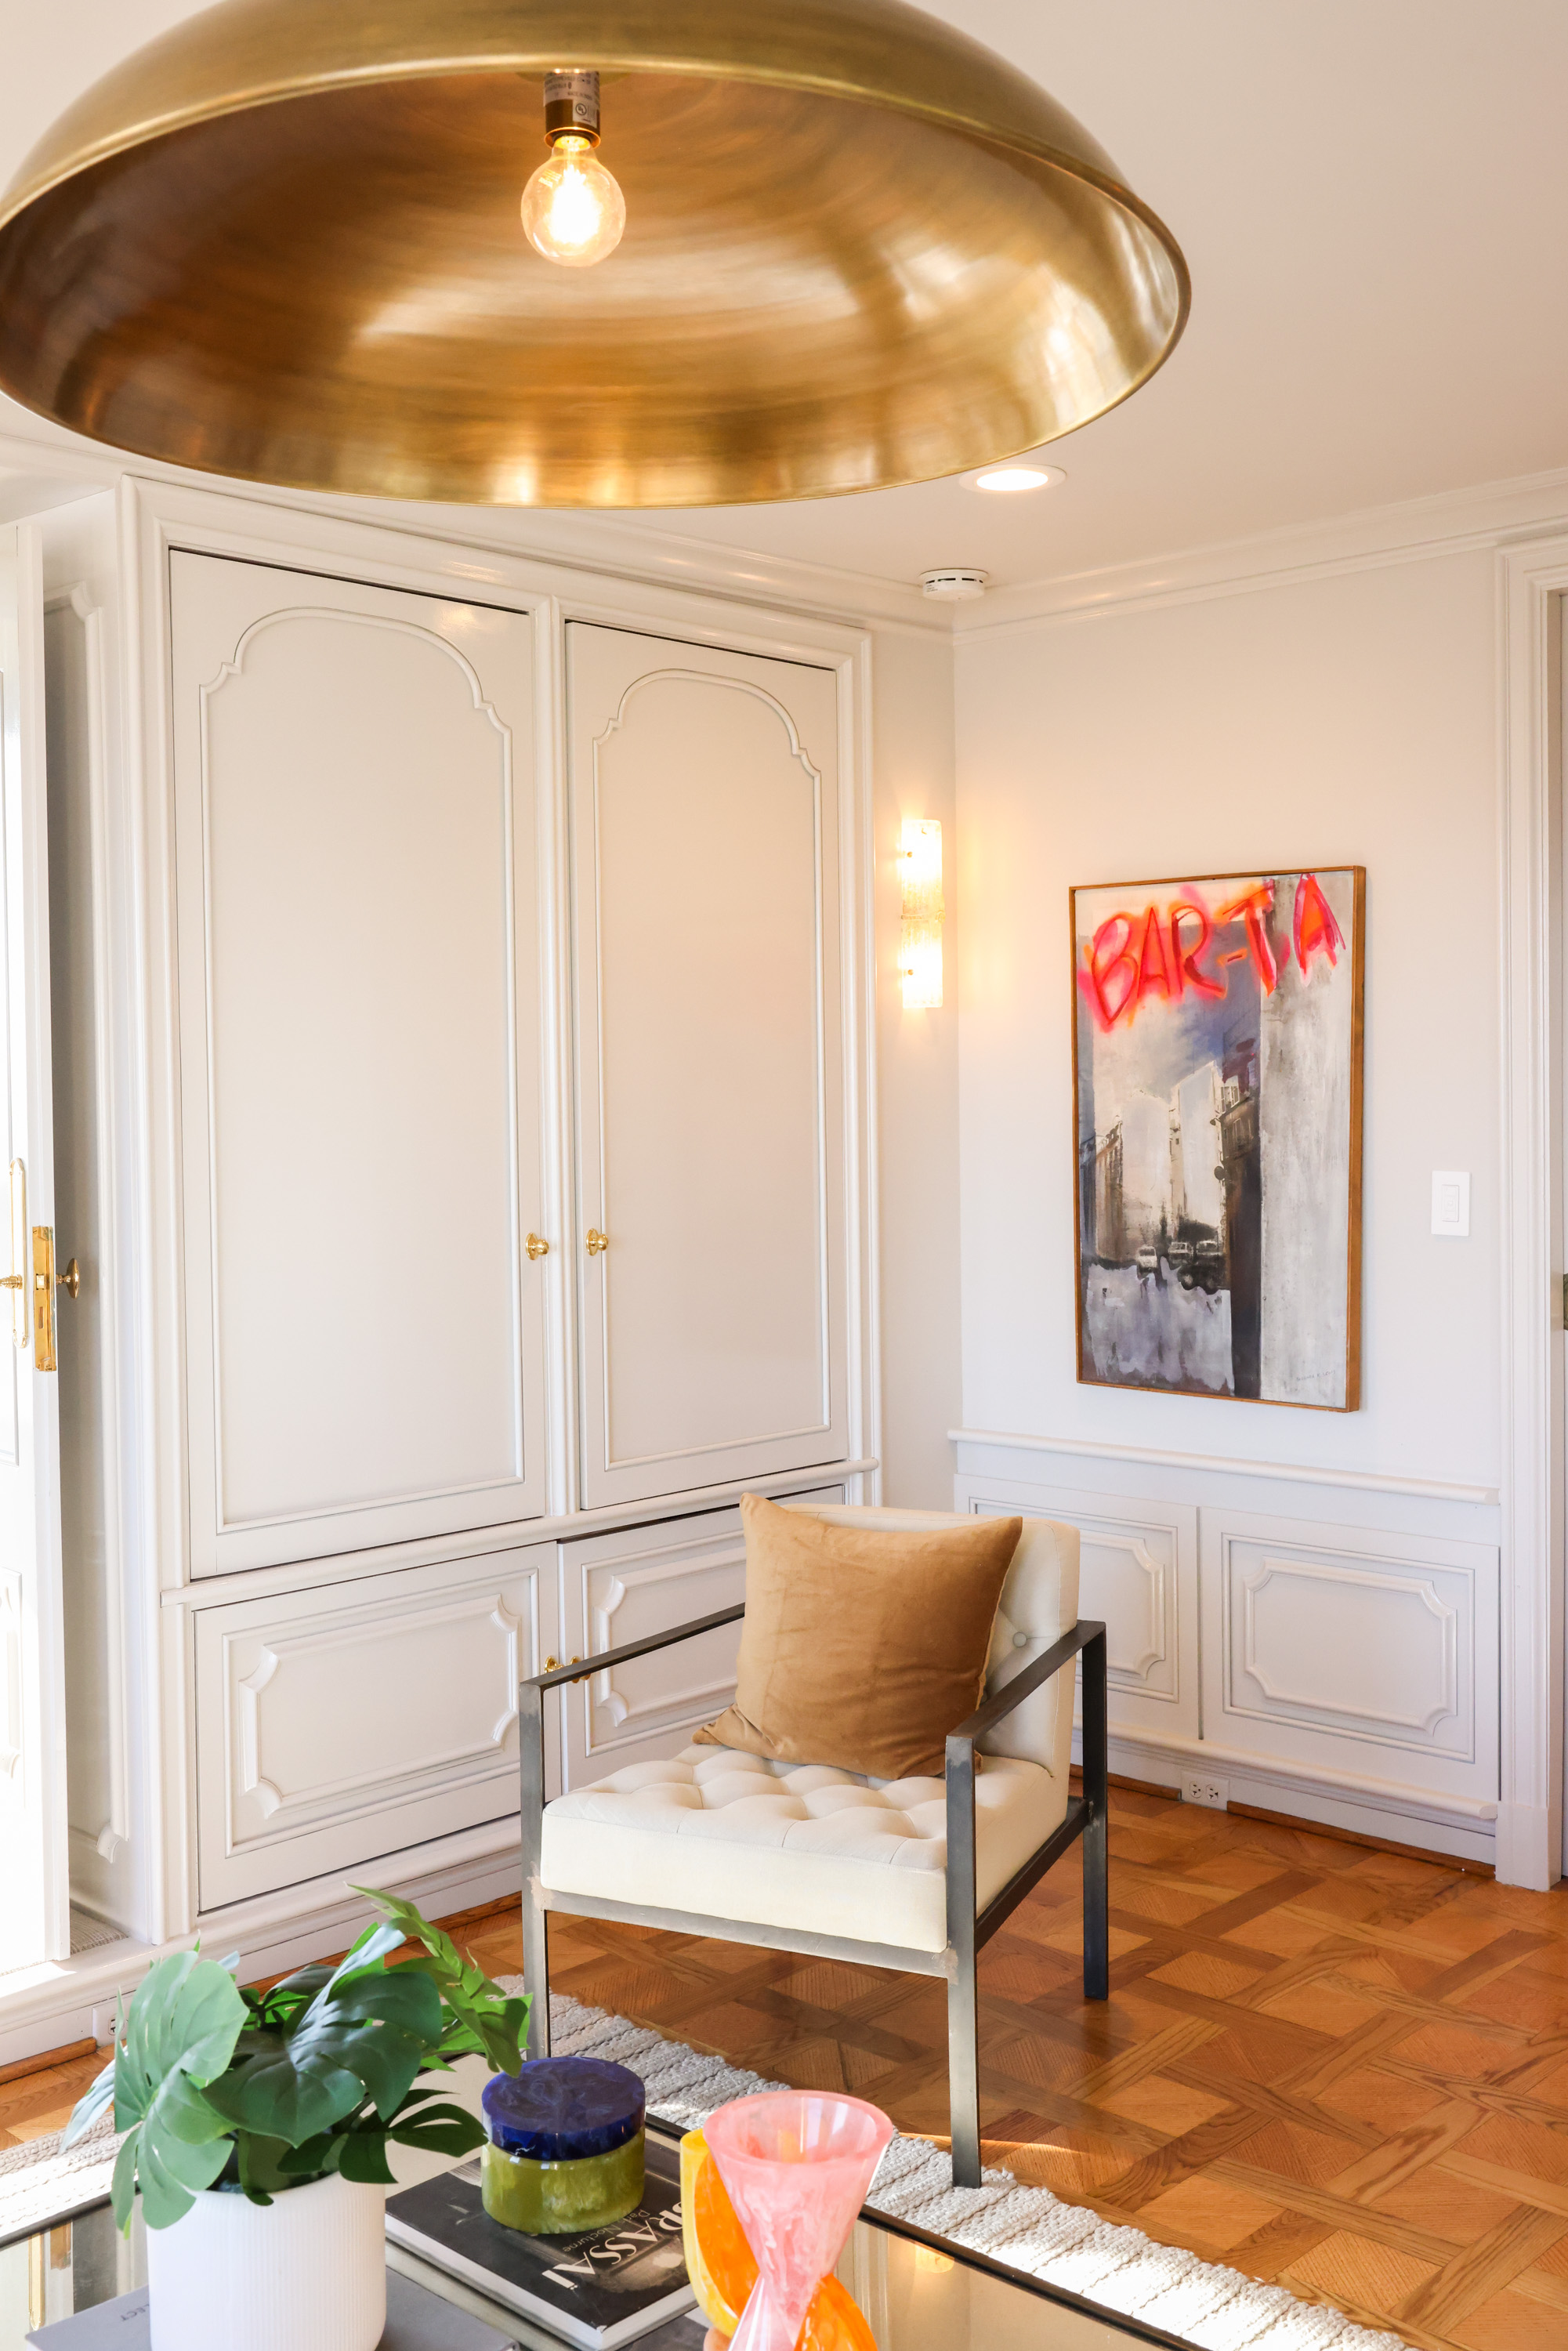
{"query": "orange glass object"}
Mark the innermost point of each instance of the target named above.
(723, 2268)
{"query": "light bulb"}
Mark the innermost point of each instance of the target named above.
(573, 209)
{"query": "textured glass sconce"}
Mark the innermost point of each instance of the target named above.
(920, 927)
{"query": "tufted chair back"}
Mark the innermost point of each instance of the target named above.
(1038, 1603)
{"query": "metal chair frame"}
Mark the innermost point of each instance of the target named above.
(968, 1929)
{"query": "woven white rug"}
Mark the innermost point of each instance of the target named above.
(1030, 2229)
(37, 2183)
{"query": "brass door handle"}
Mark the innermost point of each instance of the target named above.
(597, 1241)
(536, 1246)
(70, 1281)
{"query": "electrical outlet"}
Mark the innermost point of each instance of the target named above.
(1199, 1787)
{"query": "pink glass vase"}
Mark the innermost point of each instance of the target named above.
(796, 2164)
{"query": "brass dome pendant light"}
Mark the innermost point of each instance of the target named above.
(853, 249)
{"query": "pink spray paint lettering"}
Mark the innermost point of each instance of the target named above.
(1163, 953)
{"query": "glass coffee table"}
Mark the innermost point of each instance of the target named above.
(919, 2293)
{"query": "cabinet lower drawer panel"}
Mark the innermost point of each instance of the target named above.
(353, 1719)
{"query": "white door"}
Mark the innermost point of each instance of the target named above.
(360, 1056)
(34, 1921)
(710, 1078)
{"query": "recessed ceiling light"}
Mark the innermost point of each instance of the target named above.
(1006, 480)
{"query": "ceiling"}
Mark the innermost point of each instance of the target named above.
(1373, 199)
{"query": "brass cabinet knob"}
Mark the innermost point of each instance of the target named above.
(597, 1241)
(535, 1246)
(550, 1664)
(70, 1281)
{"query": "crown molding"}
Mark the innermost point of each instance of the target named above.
(42, 466)
(1414, 530)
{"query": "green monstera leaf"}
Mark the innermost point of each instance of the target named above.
(367, 2033)
(179, 2038)
(310, 2076)
(484, 2018)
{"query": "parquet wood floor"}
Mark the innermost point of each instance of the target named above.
(1343, 2069)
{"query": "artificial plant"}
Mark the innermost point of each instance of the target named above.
(218, 2084)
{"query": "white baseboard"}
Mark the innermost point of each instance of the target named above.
(51, 2006)
(1385, 1809)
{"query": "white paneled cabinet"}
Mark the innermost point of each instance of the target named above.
(473, 910)
(706, 893)
(356, 1718)
(360, 1062)
(617, 1587)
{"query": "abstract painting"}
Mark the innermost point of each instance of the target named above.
(1217, 1075)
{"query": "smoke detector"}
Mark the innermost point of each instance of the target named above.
(954, 584)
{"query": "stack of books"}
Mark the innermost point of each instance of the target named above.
(622, 2283)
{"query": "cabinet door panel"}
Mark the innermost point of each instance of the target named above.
(710, 1063)
(348, 1721)
(360, 1062)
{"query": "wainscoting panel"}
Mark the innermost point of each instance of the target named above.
(343, 1721)
(1336, 1643)
(1138, 1571)
(1353, 1647)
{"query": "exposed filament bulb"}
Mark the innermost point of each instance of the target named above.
(573, 210)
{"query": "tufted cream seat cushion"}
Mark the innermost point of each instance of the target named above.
(727, 1836)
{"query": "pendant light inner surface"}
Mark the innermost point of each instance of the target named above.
(282, 244)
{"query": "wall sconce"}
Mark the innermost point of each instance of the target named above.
(920, 926)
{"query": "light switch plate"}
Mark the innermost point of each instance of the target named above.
(1452, 1204)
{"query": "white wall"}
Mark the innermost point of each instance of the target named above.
(917, 1056)
(1302, 1606)
(1345, 720)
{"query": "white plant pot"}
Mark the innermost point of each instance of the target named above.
(306, 2273)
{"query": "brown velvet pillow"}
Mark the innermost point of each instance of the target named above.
(861, 1649)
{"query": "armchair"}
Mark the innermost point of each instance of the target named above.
(814, 1860)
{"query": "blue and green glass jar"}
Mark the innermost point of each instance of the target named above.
(565, 2147)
